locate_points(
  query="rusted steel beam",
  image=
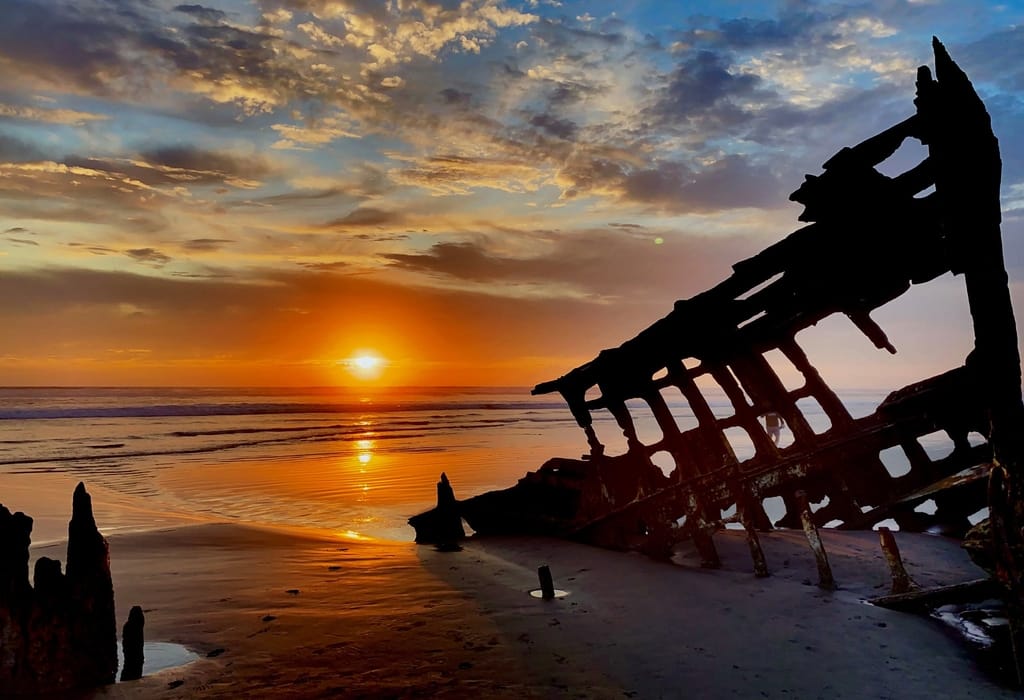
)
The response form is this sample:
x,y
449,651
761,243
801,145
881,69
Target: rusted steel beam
x,y
920,600
706,549
745,509
850,260
825,579
756,553
901,582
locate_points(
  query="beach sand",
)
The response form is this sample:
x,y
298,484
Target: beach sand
x,y
291,613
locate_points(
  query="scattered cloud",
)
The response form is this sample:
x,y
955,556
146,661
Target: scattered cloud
x,y
364,217
16,150
149,256
46,115
455,174
488,151
599,265
330,266
206,245
316,133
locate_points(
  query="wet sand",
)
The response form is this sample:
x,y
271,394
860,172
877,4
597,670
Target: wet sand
x,y
290,613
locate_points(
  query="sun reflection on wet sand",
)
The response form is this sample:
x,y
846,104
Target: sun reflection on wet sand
x,y
367,473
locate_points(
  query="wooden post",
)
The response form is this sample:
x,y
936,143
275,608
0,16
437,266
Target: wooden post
x,y
547,585
132,643
825,579
901,582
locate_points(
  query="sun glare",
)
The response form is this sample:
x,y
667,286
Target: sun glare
x,y
366,361
364,365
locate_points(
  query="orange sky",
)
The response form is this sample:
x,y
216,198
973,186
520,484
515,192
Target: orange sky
x,y
484,193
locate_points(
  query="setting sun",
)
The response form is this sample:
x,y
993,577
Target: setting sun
x,y
364,365
366,362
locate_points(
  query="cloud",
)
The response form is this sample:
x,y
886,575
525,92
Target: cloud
x,y
579,93
47,115
203,165
205,245
597,264
331,266
203,14
277,16
456,97
317,132
704,86
149,256
143,181
92,249
15,150
125,50
36,181
997,58
360,183
364,217
457,174
63,43
728,183
562,36
244,329
560,128
672,186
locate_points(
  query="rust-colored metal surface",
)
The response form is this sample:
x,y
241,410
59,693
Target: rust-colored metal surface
x,y
869,238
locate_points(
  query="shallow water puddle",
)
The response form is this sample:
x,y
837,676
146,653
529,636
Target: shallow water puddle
x,y
160,656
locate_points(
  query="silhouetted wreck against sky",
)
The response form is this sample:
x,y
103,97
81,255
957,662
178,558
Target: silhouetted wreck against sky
x,y
869,238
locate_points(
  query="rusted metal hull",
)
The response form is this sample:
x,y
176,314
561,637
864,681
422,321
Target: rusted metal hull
x,y
869,238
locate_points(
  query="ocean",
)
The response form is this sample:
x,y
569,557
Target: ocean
x,y
350,460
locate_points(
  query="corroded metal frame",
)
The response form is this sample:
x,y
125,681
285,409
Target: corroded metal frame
x,y
869,238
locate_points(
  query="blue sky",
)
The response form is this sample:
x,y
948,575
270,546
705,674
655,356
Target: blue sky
x,y
481,191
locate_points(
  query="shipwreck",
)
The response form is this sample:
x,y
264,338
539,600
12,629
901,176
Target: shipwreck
x,y
868,238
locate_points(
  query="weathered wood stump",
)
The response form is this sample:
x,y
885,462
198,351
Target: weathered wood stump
x,y
443,524
132,643
59,635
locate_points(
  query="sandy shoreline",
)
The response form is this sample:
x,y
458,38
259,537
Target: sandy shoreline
x,y
384,619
